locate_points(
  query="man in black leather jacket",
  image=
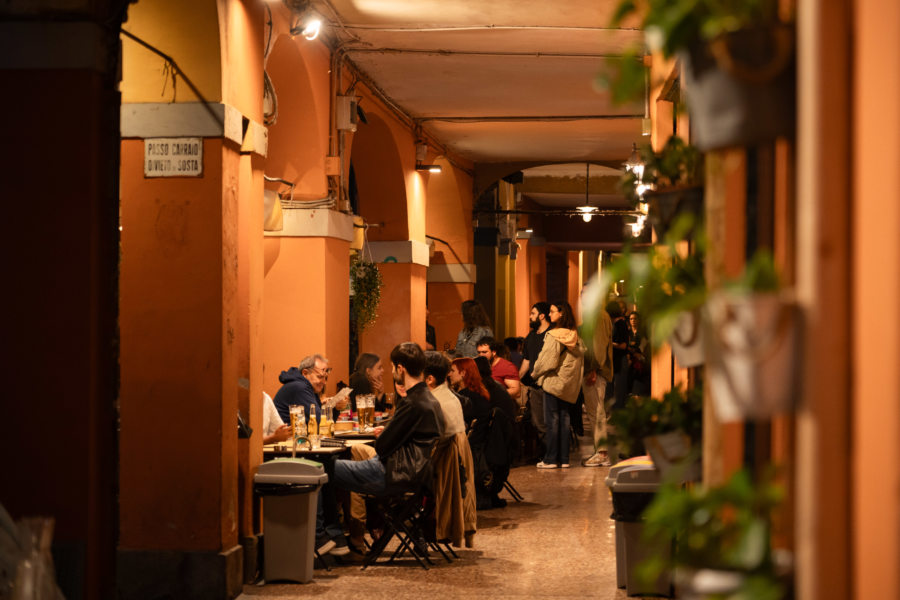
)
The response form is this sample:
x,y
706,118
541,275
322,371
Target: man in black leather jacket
x,y
403,449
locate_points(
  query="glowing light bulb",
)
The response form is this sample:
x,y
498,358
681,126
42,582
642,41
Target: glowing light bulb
x,y
587,217
311,28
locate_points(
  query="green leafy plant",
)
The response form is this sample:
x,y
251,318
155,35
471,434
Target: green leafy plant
x,y
664,281
759,275
725,527
642,417
366,281
674,25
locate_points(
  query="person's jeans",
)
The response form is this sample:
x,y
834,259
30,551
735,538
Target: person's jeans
x,y
536,399
556,419
326,527
360,476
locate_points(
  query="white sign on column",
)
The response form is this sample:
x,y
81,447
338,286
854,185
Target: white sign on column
x,y
173,157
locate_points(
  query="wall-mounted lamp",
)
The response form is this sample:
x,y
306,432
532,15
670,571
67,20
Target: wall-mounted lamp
x,y
308,23
421,153
312,24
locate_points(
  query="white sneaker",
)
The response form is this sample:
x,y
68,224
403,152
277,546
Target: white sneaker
x,y
564,466
543,465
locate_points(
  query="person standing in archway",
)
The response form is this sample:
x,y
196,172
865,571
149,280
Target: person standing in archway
x,y
558,370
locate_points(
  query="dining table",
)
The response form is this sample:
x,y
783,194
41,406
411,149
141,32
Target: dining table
x,y
283,449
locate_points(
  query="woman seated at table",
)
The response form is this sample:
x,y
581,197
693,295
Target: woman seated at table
x,y
466,381
368,378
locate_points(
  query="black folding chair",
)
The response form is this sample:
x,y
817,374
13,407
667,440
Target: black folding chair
x,y
402,520
512,491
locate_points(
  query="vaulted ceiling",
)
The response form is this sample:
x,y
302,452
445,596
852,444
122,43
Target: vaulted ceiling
x,y
502,82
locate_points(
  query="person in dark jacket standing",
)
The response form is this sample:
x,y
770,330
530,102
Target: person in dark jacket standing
x,y
417,425
534,342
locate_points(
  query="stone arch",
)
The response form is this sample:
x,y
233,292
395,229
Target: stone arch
x,y
380,183
296,150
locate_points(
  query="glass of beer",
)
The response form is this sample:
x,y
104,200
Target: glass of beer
x,y
361,411
370,409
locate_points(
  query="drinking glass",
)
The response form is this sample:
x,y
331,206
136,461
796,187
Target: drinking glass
x,y
370,409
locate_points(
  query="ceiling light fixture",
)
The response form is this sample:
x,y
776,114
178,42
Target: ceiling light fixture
x,y
587,211
429,168
634,164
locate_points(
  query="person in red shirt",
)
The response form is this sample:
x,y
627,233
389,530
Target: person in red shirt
x,y
502,370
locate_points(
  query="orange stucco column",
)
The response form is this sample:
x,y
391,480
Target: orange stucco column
x,y
306,307
178,317
249,343
875,323
537,270
401,312
524,300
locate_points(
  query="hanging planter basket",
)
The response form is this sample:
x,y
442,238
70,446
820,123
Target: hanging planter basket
x,y
741,88
687,340
667,204
753,354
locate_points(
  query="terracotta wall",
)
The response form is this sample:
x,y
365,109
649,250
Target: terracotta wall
x,y
448,216
186,31
573,296
876,286
404,288
298,140
306,308
249,328
306,279
178,359
524,300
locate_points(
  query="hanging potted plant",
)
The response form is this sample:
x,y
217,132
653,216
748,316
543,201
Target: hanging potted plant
x,y
673,180
752,344
365,286
722,539
675,443
738,60
669,429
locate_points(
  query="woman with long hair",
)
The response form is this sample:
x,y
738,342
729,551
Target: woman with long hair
x,y
476,325
368,378
466,381
558,371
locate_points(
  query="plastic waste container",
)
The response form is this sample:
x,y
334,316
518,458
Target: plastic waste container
x,y
632,491
620,532
289,488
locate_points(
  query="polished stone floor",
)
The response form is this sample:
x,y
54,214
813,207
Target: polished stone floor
x,y
557,543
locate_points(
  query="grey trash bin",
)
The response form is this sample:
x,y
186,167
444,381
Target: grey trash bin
x,y
289,487
620,531
633,489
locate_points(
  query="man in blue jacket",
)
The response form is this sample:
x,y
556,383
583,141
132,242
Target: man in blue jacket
x,y
302,386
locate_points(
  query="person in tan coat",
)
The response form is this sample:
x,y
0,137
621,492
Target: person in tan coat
x,y
558,371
